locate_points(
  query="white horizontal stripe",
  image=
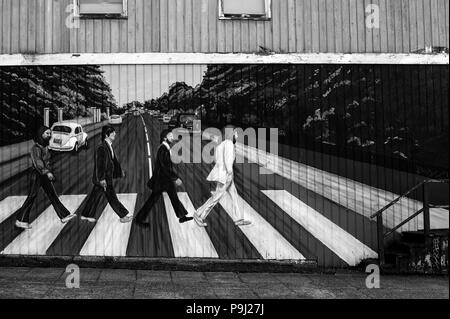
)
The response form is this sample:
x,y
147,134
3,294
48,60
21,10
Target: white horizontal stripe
x,y
266,239
347,247
219,58
110,236
148,149
9,206
188,239
45,229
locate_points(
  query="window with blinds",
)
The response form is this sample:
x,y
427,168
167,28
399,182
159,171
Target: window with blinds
x,y
249,9
101,8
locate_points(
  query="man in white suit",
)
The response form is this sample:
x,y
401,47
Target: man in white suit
x,y
223,175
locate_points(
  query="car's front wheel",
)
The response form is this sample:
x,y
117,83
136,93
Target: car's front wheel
x,y
75,148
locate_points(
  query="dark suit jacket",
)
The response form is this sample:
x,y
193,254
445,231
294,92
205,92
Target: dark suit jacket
x,y
163,174
105,166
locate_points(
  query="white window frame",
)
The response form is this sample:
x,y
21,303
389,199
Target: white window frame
x,y
123,15
243,16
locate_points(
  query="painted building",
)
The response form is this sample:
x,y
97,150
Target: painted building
x,y
357,91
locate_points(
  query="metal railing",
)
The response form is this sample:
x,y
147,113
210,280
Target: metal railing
x,y
381,235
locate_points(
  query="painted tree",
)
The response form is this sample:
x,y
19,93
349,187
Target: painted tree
x,y
26,91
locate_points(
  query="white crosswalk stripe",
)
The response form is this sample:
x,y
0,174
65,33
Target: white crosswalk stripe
x,y
266,239
343,244
9,206
109,236
188,239
45,229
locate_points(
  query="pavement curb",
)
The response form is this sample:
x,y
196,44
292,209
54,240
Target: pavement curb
x,y
166,264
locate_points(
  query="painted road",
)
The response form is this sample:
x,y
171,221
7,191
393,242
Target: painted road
x,y
291,219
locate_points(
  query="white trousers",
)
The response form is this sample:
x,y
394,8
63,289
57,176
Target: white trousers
x,y
228,189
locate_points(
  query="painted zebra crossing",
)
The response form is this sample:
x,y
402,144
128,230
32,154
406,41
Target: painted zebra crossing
x,y
9,205
110,237
188,239
266,239
356,196
44,230
347,247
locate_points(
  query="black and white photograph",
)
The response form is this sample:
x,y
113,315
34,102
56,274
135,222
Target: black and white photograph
x,y
226,150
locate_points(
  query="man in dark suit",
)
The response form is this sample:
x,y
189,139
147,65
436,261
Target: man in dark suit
x,y
164,179
106,169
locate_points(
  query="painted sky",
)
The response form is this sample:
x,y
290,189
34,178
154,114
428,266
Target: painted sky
x,y
144,82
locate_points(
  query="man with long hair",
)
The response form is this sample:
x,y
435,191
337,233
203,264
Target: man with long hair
x,y
223,175
41,176
106,169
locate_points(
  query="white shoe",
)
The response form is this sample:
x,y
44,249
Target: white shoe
x,y
126,219
199,221
66,219
89,219
23,225
242,222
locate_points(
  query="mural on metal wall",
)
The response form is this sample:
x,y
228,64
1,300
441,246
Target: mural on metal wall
x,y
282,162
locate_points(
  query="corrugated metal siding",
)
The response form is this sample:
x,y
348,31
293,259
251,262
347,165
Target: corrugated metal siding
x,y
38,26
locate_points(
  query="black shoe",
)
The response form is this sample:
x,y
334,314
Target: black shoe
x,y
185,219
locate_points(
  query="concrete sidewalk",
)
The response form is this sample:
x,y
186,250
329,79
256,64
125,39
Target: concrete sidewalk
x,y
120,283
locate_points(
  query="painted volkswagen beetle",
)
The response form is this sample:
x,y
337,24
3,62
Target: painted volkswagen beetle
x,y
67,137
